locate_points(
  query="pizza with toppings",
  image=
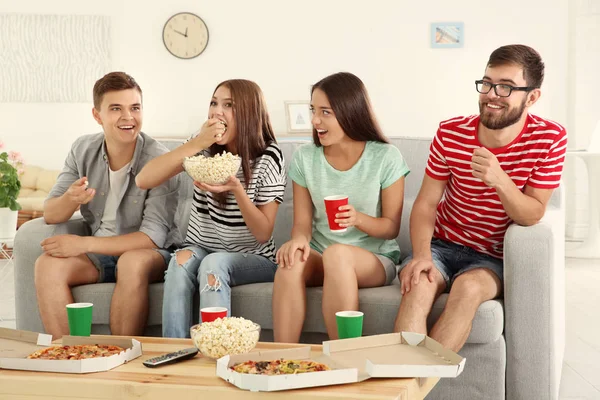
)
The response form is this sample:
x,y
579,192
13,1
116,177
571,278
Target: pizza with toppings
x,y
76,352
279,367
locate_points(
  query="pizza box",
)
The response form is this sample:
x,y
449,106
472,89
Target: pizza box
x,y
265,383
395,355
16,345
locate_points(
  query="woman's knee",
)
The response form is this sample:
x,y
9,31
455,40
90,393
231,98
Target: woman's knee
x,y
337,258
215,267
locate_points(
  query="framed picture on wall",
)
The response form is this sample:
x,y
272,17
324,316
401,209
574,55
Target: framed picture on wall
x,y
298,116
446,35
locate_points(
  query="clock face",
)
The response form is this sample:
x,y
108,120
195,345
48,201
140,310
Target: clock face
x,y
185,35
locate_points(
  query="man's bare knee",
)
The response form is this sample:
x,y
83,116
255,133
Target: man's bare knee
x,y
426,290
183,256
476,286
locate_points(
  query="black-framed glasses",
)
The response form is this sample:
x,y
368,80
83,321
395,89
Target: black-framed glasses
x,y
501,89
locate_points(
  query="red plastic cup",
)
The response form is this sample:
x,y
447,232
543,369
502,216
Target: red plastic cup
x,y
209,314
332,207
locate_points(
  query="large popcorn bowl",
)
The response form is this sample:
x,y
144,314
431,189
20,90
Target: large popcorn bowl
x,y
225,336
212,170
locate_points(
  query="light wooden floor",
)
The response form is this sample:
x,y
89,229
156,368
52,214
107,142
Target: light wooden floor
x,y
581,371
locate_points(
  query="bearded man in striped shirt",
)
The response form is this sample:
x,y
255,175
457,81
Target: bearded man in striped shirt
x,y
484,173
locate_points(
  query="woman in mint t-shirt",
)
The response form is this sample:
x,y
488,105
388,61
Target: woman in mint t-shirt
x,y
350,156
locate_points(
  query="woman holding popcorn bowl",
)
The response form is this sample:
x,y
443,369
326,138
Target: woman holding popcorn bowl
x,y
348,197
229,238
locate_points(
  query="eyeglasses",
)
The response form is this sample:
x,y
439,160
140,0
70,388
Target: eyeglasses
x,y
501,89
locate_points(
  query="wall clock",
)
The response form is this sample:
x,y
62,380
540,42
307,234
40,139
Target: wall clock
x,y
185,35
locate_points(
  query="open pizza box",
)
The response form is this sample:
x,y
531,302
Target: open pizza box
x,y
395,355
16,345
267,383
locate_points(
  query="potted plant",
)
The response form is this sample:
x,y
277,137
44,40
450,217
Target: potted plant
x,y
11,165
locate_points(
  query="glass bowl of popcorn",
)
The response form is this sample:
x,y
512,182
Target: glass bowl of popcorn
x,y
225,336
212,170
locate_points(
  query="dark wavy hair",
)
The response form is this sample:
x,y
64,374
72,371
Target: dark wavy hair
x,y
350,103
252,121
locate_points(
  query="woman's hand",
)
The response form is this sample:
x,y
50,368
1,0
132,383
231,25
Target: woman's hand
x,y
287,252
347,217
233,184
210,132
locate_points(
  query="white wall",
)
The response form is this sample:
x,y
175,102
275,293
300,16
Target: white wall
x,y
584,107
286,46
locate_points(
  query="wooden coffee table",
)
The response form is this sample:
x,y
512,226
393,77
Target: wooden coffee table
x,y
191,379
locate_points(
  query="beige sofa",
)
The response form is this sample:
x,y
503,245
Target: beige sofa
x,y
36,182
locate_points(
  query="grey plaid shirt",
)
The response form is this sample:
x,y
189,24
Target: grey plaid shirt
x,y
148,211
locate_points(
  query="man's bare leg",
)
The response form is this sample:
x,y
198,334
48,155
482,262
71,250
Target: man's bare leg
x,y
416,305
136,269
468,291
54,278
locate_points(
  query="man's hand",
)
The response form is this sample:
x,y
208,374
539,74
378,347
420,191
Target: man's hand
x,y
79,193
64,246
410,275
486,167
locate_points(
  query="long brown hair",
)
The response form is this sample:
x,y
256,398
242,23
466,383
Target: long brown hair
x,y
252,121
350,103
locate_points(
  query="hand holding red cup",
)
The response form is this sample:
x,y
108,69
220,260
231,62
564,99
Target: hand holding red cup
x,y
332,207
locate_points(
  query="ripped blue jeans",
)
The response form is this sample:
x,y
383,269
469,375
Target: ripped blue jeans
x,y
227,269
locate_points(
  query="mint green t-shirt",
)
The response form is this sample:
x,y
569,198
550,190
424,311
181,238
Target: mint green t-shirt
x,y
379,166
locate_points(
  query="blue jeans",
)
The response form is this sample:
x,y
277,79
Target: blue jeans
x,y
182,281
107,265
453,259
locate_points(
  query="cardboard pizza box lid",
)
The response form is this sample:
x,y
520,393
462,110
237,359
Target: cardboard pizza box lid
x,y
337,375
396,355
16,345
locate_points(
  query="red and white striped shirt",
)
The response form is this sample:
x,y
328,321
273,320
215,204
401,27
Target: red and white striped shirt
x,y
470,212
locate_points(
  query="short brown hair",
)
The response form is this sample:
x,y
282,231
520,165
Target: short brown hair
x,y
523,56
113,81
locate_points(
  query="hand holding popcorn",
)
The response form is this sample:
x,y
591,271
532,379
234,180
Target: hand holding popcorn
x,y
79,192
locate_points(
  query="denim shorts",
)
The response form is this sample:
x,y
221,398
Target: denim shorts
x,y
453,259
107,265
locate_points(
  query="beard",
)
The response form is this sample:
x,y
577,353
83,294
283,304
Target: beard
x,y
506,119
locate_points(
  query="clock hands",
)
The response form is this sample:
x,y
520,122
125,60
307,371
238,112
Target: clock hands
x,y
182,34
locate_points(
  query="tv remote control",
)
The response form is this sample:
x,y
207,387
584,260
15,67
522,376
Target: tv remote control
x,y
171,357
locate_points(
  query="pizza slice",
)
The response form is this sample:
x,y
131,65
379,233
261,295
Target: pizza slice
x,y
279,367
76,352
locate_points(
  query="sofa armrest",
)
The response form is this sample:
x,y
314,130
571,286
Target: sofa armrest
x,y
534,290
26,251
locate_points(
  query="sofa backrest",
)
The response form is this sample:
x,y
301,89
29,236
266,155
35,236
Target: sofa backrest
x,y
414,151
